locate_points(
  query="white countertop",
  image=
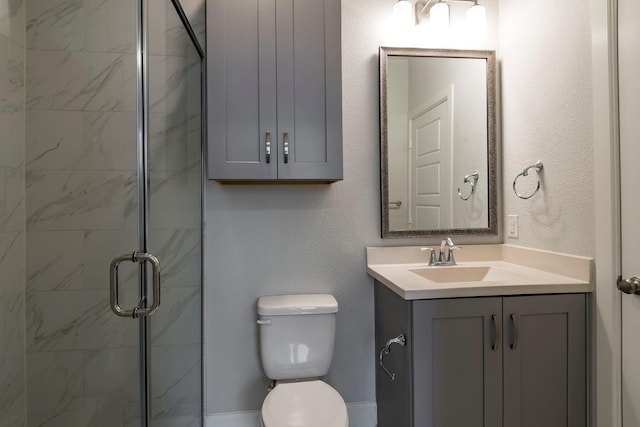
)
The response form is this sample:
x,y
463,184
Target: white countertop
x,y
529,271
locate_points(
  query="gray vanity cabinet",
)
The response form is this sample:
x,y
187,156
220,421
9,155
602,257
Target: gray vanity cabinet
x,y
486,362
274,90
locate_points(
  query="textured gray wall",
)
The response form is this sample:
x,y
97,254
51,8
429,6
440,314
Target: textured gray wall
x,y
547,115
270,239
275,239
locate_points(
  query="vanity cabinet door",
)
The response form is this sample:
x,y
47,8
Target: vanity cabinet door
x,y
457,362
241,82
274,90
309,89
545,367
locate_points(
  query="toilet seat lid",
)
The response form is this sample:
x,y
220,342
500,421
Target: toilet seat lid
x,y
304,404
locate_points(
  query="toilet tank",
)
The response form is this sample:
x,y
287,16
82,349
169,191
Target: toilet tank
x,y
297,334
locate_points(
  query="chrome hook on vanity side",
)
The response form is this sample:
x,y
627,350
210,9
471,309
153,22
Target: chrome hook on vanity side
x,y
538,167
468,180
401,340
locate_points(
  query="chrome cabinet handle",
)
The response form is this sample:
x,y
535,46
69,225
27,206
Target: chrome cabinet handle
x,y
629,286
267,143
285,140
401,340
141,310
516,331
496,333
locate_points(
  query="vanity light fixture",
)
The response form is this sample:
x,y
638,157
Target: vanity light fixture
x,y
477,18
439,16
438,13
403,13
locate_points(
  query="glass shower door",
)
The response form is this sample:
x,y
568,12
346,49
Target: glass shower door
x,y
175,218
82,209
168,298
170,196
113,166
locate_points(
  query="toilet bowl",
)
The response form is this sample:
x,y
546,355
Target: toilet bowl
x,y
304,404
297,334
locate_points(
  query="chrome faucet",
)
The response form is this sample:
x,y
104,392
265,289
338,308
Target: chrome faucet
x,y
446,243
445,257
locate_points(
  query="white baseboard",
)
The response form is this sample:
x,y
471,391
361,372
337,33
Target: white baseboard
x,y
233,419
360,415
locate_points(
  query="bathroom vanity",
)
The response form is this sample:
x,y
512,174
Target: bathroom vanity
x,y
501,343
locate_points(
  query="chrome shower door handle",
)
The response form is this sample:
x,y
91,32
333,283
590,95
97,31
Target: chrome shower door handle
x,y
141,310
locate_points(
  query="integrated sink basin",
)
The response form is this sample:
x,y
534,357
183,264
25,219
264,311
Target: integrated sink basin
x,y
482,270
467,274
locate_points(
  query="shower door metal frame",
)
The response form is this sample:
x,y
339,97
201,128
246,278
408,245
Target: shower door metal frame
x,y
144,193
142,142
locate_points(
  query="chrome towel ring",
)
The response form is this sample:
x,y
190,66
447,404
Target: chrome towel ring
x,y
538,167
467,180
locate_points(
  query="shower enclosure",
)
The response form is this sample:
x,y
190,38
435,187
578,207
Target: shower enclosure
x,y
113,166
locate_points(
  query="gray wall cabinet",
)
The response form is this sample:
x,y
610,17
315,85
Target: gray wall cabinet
x,y
274,90
488,362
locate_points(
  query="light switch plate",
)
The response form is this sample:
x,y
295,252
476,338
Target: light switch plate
x,y
512,226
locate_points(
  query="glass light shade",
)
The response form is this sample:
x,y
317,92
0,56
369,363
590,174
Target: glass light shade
x,y
477,20
403,14
439,16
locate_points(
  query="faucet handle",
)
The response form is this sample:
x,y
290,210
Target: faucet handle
x,y
450,259
432,255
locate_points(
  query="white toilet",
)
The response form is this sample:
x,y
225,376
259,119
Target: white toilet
x,y
296,347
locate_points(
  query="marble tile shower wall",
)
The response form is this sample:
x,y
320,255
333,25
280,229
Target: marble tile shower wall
x,y
12,236
81,210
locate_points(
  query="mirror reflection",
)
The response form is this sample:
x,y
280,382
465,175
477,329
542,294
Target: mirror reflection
x,y
438,142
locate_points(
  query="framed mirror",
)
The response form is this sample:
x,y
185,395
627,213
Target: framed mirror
x,y
438,142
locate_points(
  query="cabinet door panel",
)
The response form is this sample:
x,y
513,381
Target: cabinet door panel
x,y
457,374
544,376
309,89
241,76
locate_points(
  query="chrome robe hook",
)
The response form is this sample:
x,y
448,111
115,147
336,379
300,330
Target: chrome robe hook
x,y
538,167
